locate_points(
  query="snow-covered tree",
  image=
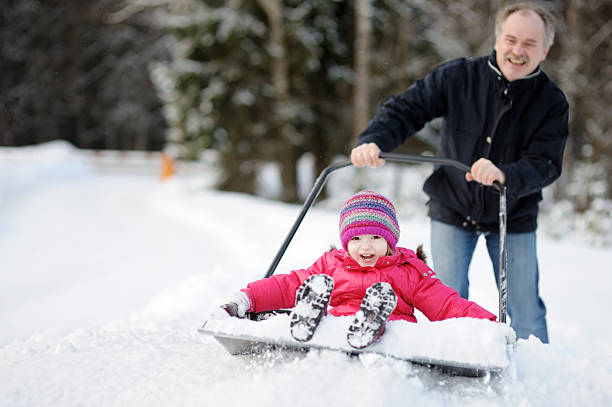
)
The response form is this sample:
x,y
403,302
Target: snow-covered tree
x,y
270,80
257,81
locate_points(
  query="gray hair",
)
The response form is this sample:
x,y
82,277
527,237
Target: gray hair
x,y
545,15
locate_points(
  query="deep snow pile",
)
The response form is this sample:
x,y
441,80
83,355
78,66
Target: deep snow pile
x,y
476,343
104,280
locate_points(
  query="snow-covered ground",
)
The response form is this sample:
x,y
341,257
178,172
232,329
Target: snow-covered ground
x,y
106,277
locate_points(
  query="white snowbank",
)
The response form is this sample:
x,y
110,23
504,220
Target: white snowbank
x,y
465,342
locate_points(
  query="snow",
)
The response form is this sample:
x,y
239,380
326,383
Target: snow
x,y
475,343
106,277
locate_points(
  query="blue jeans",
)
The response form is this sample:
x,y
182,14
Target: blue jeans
x,y
452,248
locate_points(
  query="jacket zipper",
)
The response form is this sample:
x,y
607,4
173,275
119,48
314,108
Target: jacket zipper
x,y
507,105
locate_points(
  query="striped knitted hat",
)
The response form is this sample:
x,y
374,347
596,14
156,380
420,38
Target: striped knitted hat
x,y
368,213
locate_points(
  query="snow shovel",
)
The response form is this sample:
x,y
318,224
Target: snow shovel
x,y
407,158
249,339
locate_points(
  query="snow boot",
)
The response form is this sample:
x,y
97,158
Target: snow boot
x,y
369,323
311,302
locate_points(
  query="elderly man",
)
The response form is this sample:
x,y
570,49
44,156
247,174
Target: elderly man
x,y
508,121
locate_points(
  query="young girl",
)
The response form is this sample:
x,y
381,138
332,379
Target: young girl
x,y
369,277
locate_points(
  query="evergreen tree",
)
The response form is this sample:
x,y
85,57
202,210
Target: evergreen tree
x,y
238,86
270,80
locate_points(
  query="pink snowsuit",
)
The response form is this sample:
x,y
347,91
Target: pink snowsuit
x,y
414,283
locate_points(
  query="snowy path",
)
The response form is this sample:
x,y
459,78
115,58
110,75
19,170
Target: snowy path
x,y
91,234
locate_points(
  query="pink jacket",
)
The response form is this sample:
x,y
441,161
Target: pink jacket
x,y
414,283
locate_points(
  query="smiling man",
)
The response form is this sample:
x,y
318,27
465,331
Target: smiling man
x,y
521,42
506,120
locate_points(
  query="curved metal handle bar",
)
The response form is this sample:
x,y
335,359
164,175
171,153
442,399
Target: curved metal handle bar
x,y
409,158
405,158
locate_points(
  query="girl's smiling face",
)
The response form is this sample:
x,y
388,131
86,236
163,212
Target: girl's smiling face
x,y
367,249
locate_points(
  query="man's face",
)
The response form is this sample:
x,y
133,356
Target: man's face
x,y
520,45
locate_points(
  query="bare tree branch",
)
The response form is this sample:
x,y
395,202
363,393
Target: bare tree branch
x,y
133,7
603,34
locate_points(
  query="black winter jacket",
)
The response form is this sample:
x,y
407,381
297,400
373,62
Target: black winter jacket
x,y
521,126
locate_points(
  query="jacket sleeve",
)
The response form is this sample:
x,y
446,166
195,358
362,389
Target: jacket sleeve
x,y
278,291
438,301
402,115
540,162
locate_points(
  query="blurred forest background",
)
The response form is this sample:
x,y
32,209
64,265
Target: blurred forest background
x,y
266,81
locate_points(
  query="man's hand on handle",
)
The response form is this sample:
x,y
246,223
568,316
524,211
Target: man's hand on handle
x,y
366,155
485,172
